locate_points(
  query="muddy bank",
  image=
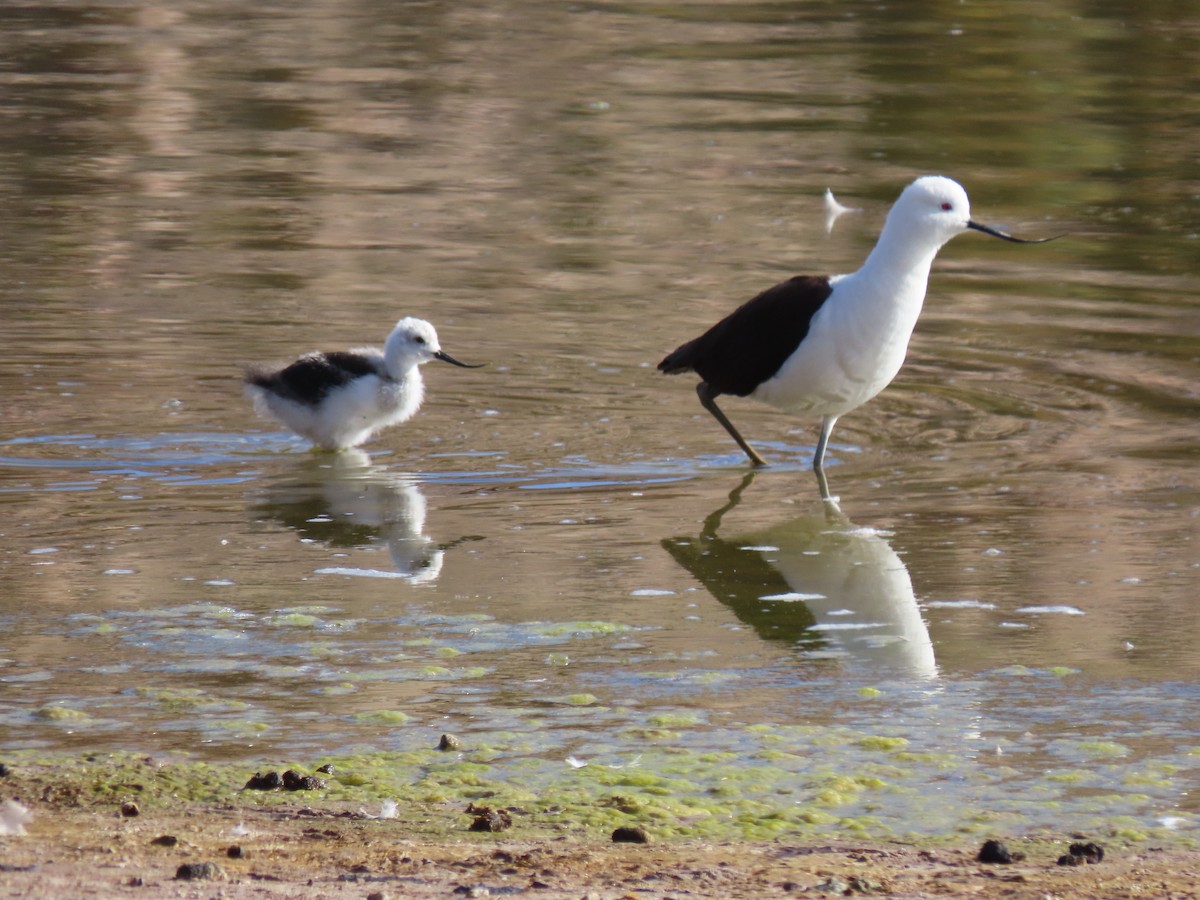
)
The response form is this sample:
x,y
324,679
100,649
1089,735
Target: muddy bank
x,y
301,852
96,831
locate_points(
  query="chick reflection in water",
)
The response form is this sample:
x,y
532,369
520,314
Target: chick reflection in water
x,y
346,502
817,582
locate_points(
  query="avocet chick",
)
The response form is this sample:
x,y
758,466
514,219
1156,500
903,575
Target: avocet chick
x,y
339,399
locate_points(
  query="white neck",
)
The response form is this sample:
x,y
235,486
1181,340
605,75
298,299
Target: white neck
x,y
896,273
396,361
901,254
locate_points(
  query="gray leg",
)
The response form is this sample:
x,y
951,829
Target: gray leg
x,y
827,424
708,398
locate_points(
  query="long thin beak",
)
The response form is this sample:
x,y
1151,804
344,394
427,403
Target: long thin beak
x,y
446,357
1008,237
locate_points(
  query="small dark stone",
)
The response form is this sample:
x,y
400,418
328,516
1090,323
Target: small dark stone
x,y
1068,859
488,819
449,742
1083,853
377,895
165,840
630,835
129,809
327,769
5,771
996,852
236,852
204,871
261,782
135,881
294,781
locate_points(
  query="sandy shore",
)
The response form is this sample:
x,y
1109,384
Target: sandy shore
x,y
298,851
142,832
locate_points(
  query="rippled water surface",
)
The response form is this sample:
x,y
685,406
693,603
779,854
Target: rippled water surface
x,y
563,555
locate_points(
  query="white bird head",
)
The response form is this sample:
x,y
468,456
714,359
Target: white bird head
x,y
937,208
414,342
934,207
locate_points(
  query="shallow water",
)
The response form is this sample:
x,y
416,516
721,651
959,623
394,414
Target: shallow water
x,y
562,555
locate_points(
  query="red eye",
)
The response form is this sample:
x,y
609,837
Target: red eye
x,y
947,206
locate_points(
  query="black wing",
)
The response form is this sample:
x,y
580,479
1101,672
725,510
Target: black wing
x,y
752,343
310,378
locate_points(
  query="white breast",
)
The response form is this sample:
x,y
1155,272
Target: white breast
x,y
354,412
856,343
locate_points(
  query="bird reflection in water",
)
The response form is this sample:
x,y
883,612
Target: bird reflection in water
x,y
345,501
817,582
